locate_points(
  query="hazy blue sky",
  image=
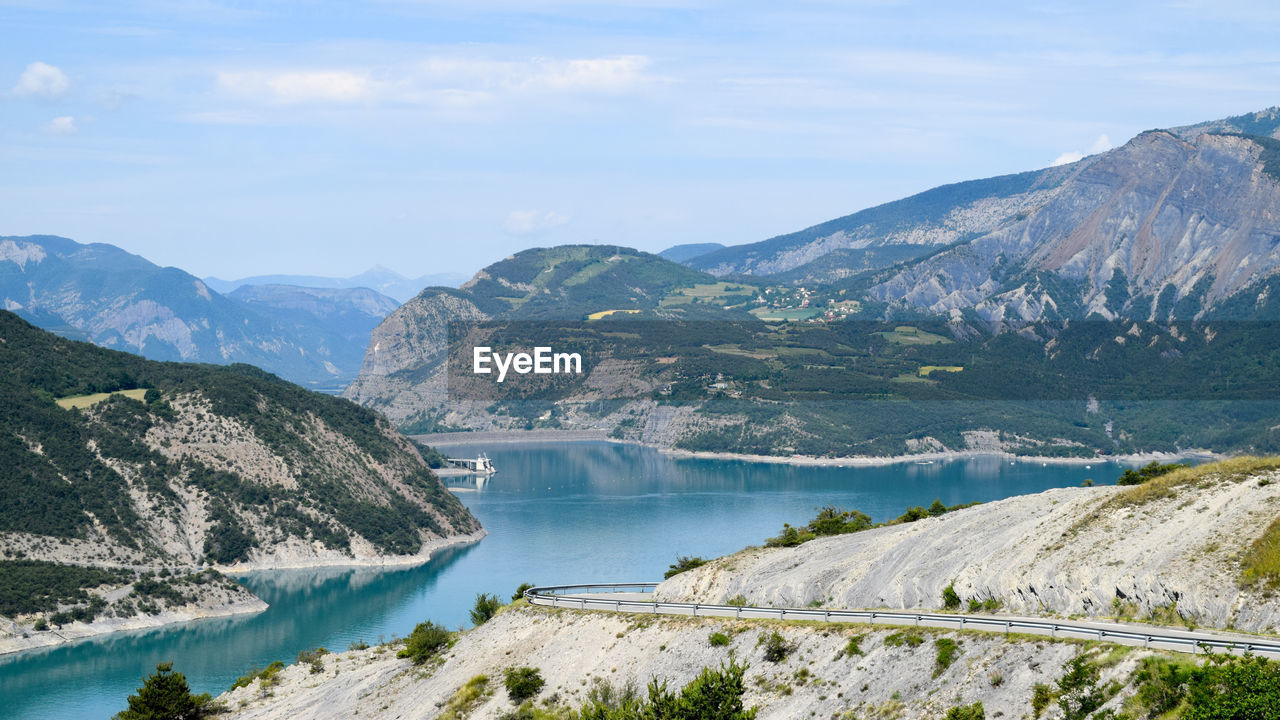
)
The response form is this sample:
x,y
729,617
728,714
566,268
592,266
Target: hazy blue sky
x,y
237,138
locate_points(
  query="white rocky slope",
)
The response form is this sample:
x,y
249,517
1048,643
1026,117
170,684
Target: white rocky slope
x,y
575,650
1075,551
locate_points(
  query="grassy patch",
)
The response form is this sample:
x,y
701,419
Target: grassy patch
x,y
1232,470
1262,561
908,335
926,370
607,313
466,698
87,401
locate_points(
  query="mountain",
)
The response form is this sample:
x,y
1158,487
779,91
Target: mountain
x,y
1173,224
405,371
685,253
383,280
122,301
178,466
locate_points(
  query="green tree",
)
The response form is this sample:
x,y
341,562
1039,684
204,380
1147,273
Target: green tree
x,y
1234,688
523,683
950,598
165,695
519,593
425,642
683,563
485,608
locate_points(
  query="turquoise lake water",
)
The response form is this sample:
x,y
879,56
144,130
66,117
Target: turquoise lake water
x,y
566,513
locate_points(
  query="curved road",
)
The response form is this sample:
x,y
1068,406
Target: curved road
x,y
634,598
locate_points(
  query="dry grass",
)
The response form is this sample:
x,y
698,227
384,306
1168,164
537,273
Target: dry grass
x,y
1262,561
1231,470
85,401
466,698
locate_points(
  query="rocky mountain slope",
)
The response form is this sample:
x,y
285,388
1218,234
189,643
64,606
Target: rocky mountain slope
x,y
174,467
406,368
1175,550
101,293
580,653
1172,224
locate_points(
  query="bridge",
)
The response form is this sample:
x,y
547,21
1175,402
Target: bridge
x,y
636,597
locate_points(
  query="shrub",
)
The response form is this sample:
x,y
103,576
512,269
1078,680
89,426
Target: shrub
x,y
948,651
683,564
1041,696
776,647
910,639
1148,472
738,600
466,698
718,639
1078,692
523,683
950,598
267,676
967,712
166,694
41,625
519,593
714,695
852,648
485,608
313,658
425,642
1227,688
1161,685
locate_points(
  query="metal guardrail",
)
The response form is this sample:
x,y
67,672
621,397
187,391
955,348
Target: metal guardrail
x,y
570,596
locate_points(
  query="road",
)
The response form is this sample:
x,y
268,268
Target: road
x,y
637,598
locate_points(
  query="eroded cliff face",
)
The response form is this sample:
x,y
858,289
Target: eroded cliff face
x,y
404,370
1077,551
1130,234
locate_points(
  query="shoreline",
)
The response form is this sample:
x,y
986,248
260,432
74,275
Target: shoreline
x,y
78,631
14,642
511,437
422,557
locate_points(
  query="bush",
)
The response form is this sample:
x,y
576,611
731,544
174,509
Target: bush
x,y
738,600
1078,692
1041,696
713,695
967,712
852,648
166,694
519,593
267,675
314,659
485,608
776,647
425,642
950,599
1234,688
948,651
718,639
1148,472
683,564
523,683
910,639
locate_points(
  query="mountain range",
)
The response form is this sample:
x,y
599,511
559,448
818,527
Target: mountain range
x,y
380,279
122,301
1051,312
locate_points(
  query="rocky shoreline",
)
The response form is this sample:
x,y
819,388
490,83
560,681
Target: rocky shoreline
x,y
511,437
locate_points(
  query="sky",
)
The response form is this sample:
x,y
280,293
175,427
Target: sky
x,y
314,137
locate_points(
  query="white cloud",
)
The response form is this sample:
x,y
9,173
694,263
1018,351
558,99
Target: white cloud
x,y
529,222
41,80
1102,144
451,82
65,125
293,87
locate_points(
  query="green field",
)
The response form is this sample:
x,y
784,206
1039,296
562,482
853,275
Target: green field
x,y
786,314
926,370
717,293
84,401
907,335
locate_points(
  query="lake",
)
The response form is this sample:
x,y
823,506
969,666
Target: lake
x,y
556,514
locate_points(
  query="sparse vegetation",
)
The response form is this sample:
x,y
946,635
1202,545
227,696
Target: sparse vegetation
x,y
1148,472
776,647
486,606
1262,559
716,694
683,563
425,642
522,683
466,698
718,639
948,651
967,712
905,637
